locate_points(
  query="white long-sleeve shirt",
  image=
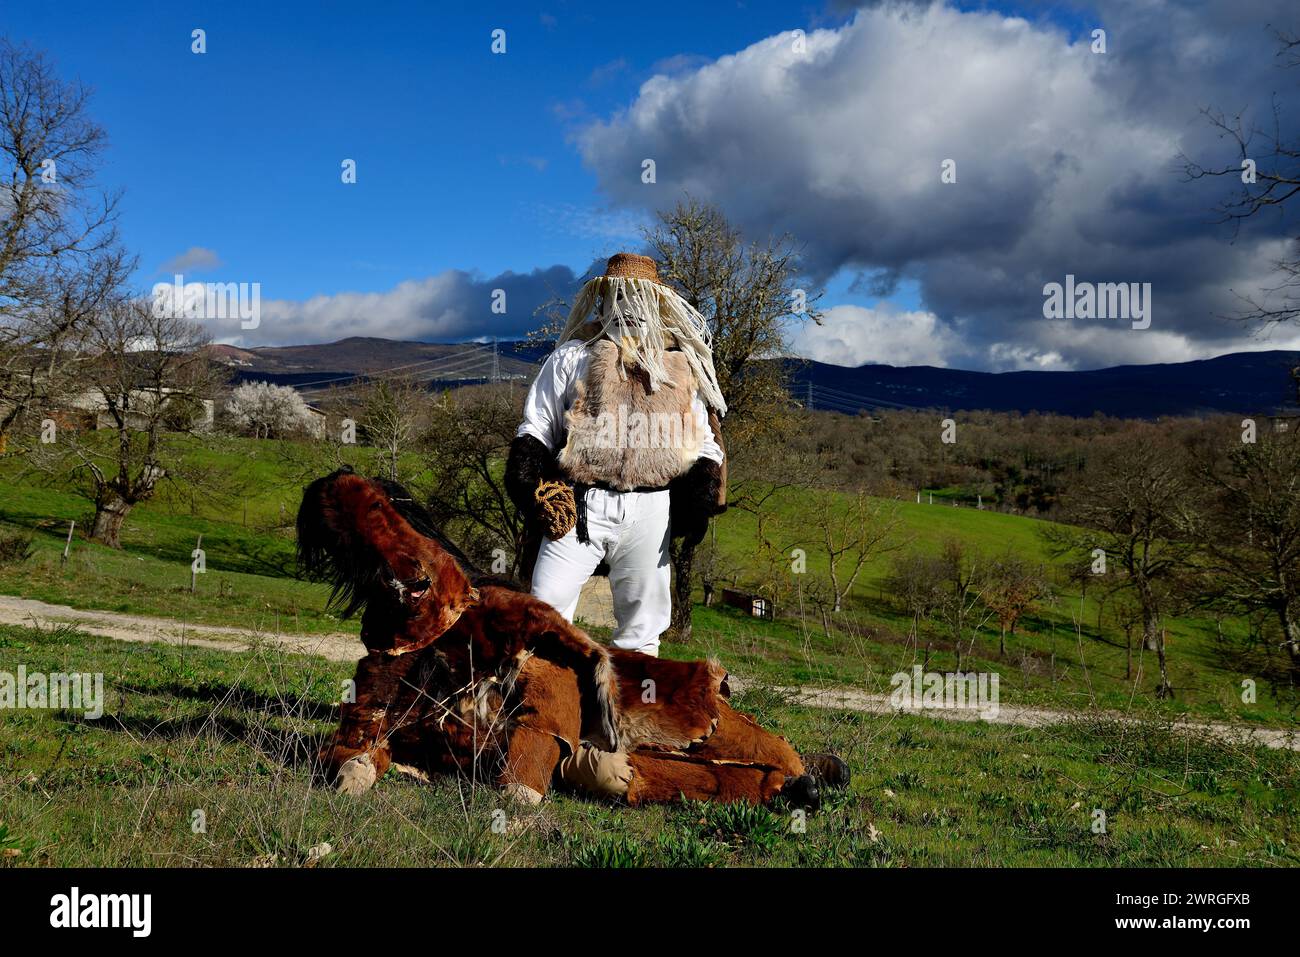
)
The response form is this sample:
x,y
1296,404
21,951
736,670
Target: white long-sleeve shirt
x,y
556,388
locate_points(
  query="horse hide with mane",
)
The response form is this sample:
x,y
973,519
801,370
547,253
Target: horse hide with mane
x,y
465,673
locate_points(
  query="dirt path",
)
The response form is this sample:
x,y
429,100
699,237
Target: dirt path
x,y
141,628
343,647
851,699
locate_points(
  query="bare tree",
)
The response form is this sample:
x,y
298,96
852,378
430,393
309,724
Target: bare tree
x,y
713,567
59,259
851,534
142,366
392,409
749,295
764,488
43,343
1265,174
1127,614
916,582
1248,532
1012,588
468,434
1132,508
961,609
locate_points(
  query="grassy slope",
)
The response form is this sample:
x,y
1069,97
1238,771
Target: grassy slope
x,y
1048,661
249,546
247,539
233,735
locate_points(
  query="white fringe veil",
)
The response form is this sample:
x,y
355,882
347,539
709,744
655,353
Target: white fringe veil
x,y
666,317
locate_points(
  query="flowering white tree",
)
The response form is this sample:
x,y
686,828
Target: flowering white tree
x,y
268,410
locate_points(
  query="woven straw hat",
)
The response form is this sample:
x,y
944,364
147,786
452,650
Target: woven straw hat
x,y
631,266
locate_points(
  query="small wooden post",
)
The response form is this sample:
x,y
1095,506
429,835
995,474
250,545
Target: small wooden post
x,y
68,544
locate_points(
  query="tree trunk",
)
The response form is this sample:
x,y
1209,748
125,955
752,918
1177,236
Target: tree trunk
x,y
110,511
1166,690
683,559
1153,637
1290,636
1128,652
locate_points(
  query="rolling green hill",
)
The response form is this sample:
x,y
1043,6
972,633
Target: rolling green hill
x,y
1059,656
234,734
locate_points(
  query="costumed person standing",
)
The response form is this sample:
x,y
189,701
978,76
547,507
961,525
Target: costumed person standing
x,y
620,448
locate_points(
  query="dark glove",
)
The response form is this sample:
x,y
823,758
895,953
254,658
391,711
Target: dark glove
x,y
693,500
527,465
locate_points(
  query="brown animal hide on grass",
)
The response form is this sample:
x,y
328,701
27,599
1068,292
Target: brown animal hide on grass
x,y
464,675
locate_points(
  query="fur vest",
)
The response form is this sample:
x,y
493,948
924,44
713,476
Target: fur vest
x,y
623,435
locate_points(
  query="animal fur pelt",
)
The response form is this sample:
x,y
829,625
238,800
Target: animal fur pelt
x,y
621,433
693,500
528,464
467,674
663,316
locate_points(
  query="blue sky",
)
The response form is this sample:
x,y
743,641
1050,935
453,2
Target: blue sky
x,y
463,156
473,166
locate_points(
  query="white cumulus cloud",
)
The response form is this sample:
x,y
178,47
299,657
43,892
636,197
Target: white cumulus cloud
x,y
1067,162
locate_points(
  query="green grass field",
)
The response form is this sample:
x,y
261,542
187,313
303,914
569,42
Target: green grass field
x,y
1059,657
233,735
247,536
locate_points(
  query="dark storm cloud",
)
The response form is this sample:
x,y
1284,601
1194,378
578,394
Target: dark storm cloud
x,y
1068,162
451,305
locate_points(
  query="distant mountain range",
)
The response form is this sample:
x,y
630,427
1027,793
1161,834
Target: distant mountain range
x,y
317,366
1241,382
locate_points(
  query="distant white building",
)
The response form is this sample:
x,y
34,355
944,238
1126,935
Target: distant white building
x,y
93,402
316,425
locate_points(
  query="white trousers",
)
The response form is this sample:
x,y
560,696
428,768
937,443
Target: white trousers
x,y
630,531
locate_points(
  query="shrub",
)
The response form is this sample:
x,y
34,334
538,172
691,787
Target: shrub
x,y
15,549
